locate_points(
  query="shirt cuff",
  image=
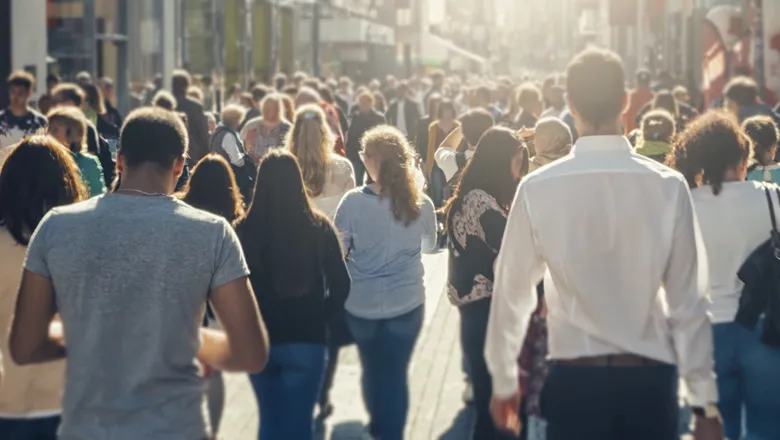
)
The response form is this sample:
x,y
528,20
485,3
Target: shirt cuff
x,y
702,392
506,387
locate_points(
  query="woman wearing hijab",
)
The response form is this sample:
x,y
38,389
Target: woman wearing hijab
x,y
551,141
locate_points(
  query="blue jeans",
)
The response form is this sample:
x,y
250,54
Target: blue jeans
x,y
287,390
748,382
385,347
438,182
44,428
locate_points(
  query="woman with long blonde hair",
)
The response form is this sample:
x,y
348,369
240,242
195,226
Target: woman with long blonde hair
x,y
328,176
386,226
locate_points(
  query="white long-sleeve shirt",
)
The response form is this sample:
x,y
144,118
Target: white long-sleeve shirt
x,y
626,267
230,146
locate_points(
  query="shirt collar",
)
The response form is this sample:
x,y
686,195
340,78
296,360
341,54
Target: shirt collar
x,y
613,143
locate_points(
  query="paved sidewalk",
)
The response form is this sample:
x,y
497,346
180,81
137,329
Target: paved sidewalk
x,y
436,381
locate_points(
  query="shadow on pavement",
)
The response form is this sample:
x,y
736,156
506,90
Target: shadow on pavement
x,y
461,425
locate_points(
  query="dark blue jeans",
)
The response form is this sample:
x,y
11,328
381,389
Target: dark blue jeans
x,y
385,347
748,382
287,390
44,428
438,182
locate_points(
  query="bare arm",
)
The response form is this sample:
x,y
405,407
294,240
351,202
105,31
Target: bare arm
x,y
243,346
33,338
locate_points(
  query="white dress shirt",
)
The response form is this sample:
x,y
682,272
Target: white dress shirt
x,y
626,267
733,224
230,147
446,159
401,116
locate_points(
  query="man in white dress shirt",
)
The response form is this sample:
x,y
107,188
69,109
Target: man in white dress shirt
x,y
615,237
404,113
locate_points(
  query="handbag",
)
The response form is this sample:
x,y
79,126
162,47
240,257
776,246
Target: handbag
x,y
761,275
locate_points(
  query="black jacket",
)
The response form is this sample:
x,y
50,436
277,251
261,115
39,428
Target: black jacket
x,y
761,294
412,113
100,148
361,123
197,126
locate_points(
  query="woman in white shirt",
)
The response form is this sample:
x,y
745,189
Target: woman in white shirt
x,y
734,219
327,175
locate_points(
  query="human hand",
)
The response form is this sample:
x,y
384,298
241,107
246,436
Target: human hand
x,y
708,429
506,413
525,132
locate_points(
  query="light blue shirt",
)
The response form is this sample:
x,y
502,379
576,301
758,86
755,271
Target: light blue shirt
x,y
385,256
769,173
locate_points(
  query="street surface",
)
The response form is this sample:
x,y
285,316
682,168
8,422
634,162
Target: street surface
x,y
436,381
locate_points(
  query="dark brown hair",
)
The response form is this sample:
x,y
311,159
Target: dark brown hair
x,y
595,82
212,187
20,78
475,123
658,125
764,134
709,146
180,82
490,170
94,98
37,175
279,232
153,135
665,100
68,92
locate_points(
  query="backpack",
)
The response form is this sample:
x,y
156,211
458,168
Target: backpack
x,y
761,275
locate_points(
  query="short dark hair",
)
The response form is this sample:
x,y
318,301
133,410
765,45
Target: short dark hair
x,y
484,93
658,125
259,92
763,132
475,123
153,135
83,77
164,99
69,92
446,105
595,85
743,90
280,80
20,78
180,82
53,78
528,93
94,97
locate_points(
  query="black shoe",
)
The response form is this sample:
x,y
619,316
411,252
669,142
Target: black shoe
x,y
326,411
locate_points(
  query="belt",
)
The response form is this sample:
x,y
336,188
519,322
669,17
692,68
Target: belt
x,y
611,360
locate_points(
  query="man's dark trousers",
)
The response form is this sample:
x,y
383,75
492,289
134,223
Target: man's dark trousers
x,y
611,402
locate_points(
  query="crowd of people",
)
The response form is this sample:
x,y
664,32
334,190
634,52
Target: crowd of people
x,y
612,253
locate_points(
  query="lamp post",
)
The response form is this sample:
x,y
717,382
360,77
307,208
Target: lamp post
x,y
315,37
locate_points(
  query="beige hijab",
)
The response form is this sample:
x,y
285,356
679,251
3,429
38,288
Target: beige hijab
x,y
552,140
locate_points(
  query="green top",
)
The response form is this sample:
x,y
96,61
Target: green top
x,y
91,173
653,148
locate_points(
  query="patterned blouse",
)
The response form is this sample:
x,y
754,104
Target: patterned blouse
x,y
475,229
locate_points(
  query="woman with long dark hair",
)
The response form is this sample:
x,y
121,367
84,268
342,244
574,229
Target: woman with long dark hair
x,y
733,215
476,218
212,188
386,225
38,175
301,281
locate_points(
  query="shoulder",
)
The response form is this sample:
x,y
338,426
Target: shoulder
x,y
340,164
40,119
426,204
481,201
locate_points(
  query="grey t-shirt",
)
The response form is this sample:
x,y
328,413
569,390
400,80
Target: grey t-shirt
x,y
131,276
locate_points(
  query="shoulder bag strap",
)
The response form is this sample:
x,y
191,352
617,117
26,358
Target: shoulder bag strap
x,y
768,194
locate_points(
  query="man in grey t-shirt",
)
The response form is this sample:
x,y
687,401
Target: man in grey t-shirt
x,y
130,274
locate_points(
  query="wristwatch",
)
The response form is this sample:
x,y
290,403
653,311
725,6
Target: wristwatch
x,y
709,411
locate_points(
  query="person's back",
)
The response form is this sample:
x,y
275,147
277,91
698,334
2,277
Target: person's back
x,y
129,274
606,229
132,324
